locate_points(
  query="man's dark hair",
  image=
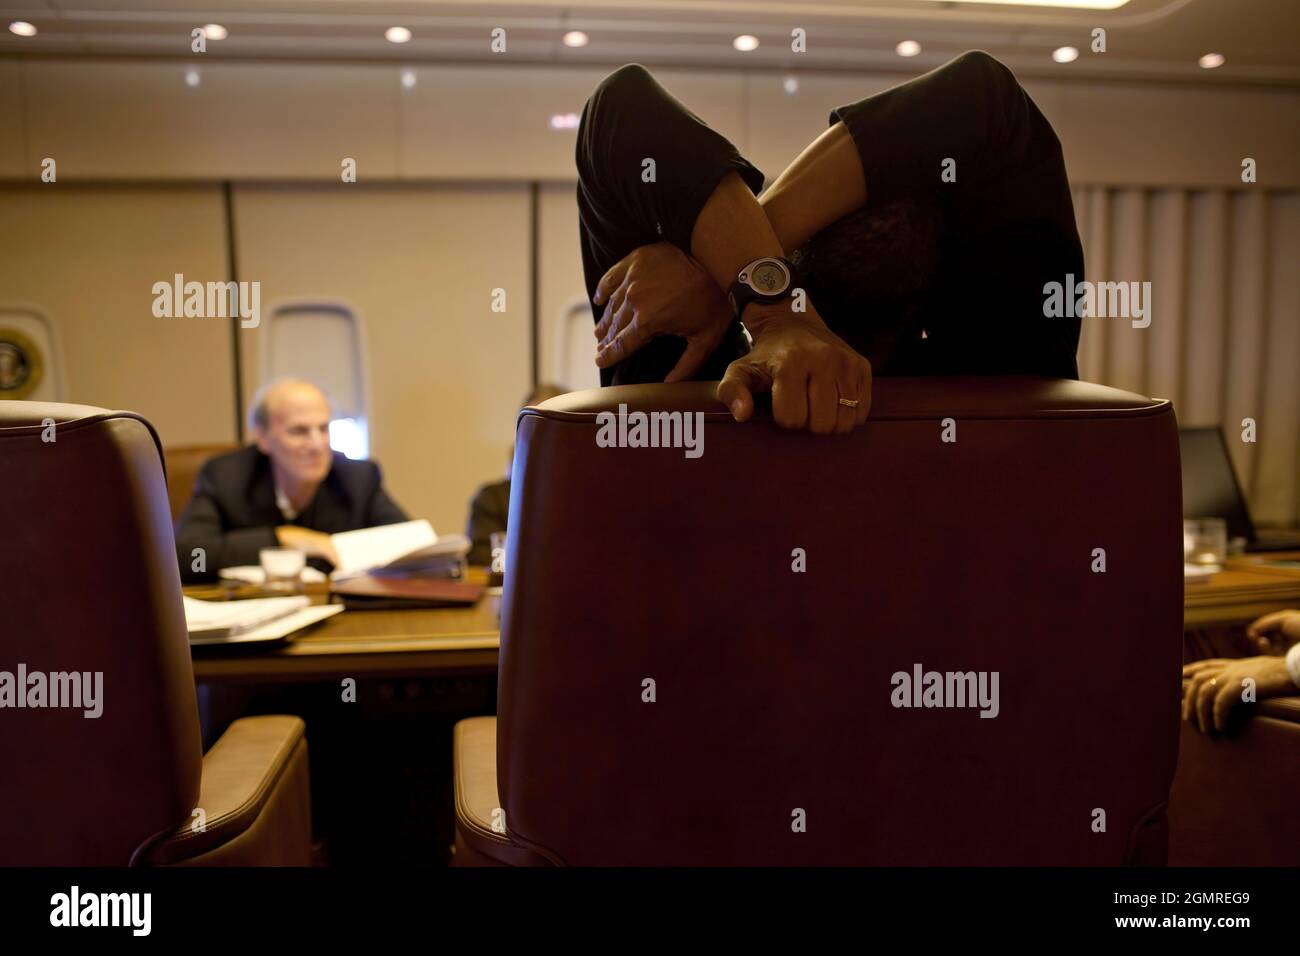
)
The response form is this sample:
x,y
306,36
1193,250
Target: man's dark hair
x,y
867,273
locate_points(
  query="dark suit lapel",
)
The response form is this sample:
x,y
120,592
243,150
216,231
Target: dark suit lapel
x,y
330,509
261,494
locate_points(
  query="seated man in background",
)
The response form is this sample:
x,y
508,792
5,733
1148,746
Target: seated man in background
x,y
287,490
1215,686
491,503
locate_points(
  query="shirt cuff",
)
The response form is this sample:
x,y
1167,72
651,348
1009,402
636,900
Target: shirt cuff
x,y
1293,664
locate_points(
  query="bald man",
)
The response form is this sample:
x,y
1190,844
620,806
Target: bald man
x,y
288,489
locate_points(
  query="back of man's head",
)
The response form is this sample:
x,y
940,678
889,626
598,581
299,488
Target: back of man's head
x,y
869,271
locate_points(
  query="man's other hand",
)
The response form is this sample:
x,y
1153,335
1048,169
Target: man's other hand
x,y
806,367
316,544
1215,686
1275,633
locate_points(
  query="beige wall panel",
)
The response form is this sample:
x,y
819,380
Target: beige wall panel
x,y
111,119
477,122
480,122
565,353
13,135
1111,133
418,264
1171,135
780,124
141,120
89,257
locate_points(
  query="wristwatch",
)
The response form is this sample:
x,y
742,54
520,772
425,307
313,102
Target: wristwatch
x,y
767,280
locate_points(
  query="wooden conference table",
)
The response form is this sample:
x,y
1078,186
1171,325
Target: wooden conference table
x,y
465,641
389,643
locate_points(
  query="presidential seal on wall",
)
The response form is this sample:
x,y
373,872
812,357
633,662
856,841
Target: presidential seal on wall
x,y
21,364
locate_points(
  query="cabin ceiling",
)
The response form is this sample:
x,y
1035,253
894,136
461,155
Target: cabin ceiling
x,y
1146,39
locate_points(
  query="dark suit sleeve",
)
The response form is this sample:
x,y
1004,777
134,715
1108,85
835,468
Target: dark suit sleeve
x,y
201,527
381,508
485,517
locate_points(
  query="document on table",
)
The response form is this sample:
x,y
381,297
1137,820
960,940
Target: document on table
x,y
260,619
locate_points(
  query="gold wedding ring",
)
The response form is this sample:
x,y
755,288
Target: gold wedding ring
x,y
851,403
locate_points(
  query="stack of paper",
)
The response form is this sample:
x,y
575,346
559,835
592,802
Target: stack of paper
x,y
219,620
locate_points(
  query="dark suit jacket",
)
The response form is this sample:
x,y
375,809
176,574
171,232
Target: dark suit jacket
x,y
487,513
233,514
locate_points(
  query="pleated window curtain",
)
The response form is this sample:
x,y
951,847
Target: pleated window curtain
x,y
1224,337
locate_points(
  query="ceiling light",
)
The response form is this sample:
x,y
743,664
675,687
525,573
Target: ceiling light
x,y
745,43
1065,54
908,48
214,31
576,38
1077,4
791,85
564,121
1211,61
192,77
22,28
397,34
408,79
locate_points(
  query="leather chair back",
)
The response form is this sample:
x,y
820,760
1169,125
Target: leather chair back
x,y
772,588
183,463
90,584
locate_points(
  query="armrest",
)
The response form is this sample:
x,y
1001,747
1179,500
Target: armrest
x,y
1280,708
474,775
255,798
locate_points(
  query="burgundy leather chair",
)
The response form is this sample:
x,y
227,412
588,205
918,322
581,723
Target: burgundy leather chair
x,y
1234,799
90,584
773,737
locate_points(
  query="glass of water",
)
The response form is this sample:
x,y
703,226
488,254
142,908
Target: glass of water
x,y
283,568
498,567
1205,542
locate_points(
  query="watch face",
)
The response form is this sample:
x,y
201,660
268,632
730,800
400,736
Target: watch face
x,y
769,277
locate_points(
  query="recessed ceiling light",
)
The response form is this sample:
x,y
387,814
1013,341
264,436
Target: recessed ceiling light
x,y
1065,54
214,31
408,79
22,28
745,43
791,85
1211,61
576,38
908,48
397,34
564,121
192,77
1077,4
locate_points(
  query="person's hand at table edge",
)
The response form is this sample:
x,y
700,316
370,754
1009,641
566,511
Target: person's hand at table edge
x,y
1217,685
